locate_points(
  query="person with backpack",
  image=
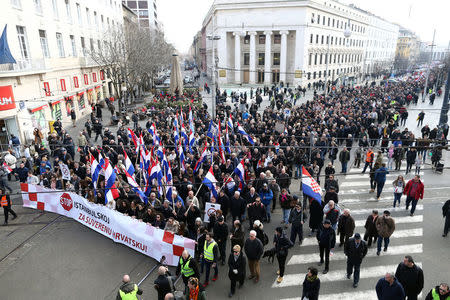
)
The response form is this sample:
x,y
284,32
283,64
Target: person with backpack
x,y
296,219
260,234
254,249
282,244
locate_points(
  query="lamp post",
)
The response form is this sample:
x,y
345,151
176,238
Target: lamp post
x,y
215,59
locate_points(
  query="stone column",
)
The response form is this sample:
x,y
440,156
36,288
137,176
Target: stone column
x,y
268,58
283,55
299,64
252,57
237,57
222,51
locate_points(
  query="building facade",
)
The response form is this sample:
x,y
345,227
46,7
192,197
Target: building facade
x,y
53,74
146,11
408,45
297,42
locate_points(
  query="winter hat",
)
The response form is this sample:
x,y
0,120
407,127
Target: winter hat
x,y
357,236
258,224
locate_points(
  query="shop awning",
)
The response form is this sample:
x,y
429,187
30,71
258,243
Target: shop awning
x,y
33,110
54,102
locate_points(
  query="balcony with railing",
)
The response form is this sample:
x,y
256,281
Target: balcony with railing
x,y
36,65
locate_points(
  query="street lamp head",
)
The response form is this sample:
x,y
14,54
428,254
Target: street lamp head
x,y
347,33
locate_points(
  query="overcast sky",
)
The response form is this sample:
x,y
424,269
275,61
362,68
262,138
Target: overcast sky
x,y
183,18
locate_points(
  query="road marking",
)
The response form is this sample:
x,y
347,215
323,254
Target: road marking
x,y
338,275
404,233
360,295
369,210
299,259
394,174
398,220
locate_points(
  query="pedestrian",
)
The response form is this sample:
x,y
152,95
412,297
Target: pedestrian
x,y
411,156
385,228
439,292
266,195
398,156
369,160
5,202
326,236
282,244
256,211
3,182
220,231
380,178
420,118
210,256
332,213
414,191
236,272
346,227
196,290
296,218
388,288
311,285
446,214
237,235
419,164
399,186
163,283
14,142
371,233
344,157
410,276
135,119
128,289
286,203
315,215
188,268
73,116
355,249
254,249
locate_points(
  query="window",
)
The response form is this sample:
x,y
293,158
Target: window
x,y
310,59
86,79
329,21
68,13
317,38
314,75
320,74
60,43
83,45
262,39
102,75
88,17
99,46
277,38
80,19
47,89
38,6
318,19
74,46
91,43
103,21
143,13
94,77
75,82
321,40
246,59
312,18
55,9
331,40
16,3
63,85
44,43
328,39
261,59
95,19
333,23
247,39
320,60
309,75
276,59
143,4
311,37
315,59
132,4
23,42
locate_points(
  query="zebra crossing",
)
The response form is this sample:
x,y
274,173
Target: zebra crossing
x,y
354,195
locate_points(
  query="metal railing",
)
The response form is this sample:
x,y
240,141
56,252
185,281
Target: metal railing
x,y
21,65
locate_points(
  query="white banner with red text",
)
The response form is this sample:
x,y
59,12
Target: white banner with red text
x,y
137,235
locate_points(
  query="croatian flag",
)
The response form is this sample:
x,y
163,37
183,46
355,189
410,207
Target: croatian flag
x,y
184,135
136,187
210,181
285,131
128,165
134,138
95,170
201,159
244,134
240,171
227,140
111,191
181,153
230,123
176,137
310,186
169,186
191,141
7,168
220,144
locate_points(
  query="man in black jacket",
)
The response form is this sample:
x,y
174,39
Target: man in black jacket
x,y
446,214
164,282
297,218
220,231
411,277
256,211
355,250
127,288
326,236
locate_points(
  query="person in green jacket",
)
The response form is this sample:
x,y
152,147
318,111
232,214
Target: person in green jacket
x,y
128,290
440,292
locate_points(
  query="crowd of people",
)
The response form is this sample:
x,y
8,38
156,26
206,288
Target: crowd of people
x,y
273,143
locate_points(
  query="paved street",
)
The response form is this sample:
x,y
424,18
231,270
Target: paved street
x,y
58,258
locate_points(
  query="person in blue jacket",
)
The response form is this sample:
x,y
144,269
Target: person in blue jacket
x,y
266,196
380,178
389,288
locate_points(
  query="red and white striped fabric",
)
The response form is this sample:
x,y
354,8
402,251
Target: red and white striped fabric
x,y
123,229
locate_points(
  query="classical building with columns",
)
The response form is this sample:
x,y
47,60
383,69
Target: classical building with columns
x,y
297,41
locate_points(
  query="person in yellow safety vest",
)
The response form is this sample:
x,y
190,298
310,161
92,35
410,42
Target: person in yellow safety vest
x,y
128,290
187,267
440,292
210,255
5,202
369,160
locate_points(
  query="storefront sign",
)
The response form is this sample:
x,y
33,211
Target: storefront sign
x,y
6,98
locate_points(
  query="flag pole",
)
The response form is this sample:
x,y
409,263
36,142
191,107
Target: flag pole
x,y
301,193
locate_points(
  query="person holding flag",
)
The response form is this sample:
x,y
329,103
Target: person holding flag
x,y
244,134
210,182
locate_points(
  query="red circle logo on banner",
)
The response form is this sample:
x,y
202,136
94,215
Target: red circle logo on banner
x,y
66,201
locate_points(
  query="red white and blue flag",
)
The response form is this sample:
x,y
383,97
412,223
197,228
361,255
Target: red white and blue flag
x,y
210,181
245,134
111,191
201,159
240,172
128,165
136,187
310,186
